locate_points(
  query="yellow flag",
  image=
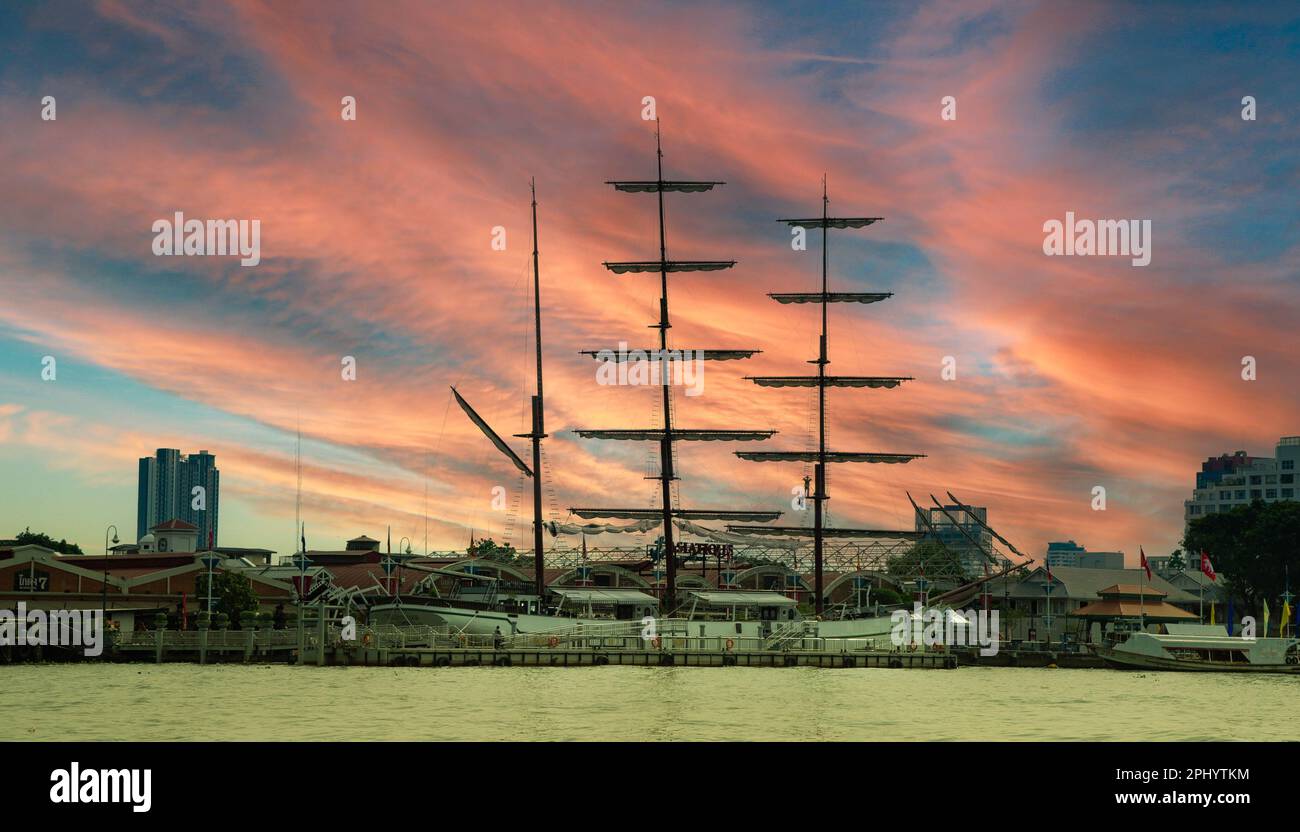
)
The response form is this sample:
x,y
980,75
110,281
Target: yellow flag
x,y
1265,618
1211,613
1286,617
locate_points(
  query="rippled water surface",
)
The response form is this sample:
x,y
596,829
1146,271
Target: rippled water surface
x,y
261,702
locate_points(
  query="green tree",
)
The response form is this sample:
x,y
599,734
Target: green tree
x,y
1252,547
30,538
232,593
1176,562
488,549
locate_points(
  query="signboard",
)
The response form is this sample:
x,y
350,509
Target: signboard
x,y
704,550
32,581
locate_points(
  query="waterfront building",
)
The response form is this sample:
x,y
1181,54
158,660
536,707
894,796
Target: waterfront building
x,y
1232,480
138,586
166,490
1030,613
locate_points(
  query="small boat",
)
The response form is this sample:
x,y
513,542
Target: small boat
x,y
1200,647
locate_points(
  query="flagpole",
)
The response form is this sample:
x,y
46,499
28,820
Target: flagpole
x,y
1142,593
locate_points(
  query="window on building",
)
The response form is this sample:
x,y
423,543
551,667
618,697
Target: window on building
x,y
1225,495
1288,464
1256,480
1271,479
1241,495
1288,493
1287,479
1254,493
1271,494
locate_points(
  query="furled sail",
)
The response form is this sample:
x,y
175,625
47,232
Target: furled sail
x,y
808,531
831,456
605,528
490,434
669,266
829,297
657,435
650,186
653,354
685,514
732,537
833,222
874,382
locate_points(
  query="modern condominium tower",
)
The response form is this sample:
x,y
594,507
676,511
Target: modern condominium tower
x,y
167,491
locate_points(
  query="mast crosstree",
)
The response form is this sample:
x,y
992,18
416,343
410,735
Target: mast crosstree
x,y
822,381
666,435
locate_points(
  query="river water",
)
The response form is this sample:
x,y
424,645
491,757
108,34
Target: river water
x,y
277,702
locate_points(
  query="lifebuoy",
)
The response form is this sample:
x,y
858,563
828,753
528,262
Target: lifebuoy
x,y
553,641
731,645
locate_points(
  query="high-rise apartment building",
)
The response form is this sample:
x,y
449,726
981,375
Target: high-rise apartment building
x,y
173,486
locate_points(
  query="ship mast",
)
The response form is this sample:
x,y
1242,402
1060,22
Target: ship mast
x,y
539,427
668,433
538,431
822,381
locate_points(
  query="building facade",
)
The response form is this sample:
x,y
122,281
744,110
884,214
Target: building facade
x,y
1070,554
168,489
1233,480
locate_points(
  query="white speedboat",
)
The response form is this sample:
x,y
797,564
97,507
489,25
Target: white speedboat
x,y
1196,647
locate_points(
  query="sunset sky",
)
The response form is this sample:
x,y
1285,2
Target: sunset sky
x,y
1072,372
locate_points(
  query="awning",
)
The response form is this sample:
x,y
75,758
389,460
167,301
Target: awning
x,y
757,598
587,595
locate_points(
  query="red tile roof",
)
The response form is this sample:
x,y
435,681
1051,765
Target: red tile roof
x,y
175,525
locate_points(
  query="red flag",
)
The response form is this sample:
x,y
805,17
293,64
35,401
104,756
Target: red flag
x,y
1206,568
1145,565
1048,564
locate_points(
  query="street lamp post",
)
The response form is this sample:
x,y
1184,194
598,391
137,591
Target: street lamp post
x,y
104,583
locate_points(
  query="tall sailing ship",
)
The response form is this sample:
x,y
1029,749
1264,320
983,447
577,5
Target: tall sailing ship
x,y
750,613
